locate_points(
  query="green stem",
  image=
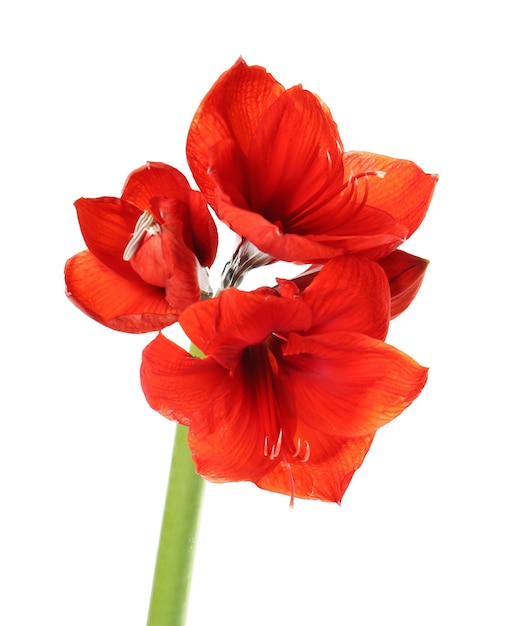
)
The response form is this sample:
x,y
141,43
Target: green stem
x,y
173,567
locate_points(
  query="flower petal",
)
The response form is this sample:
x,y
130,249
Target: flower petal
x,y
107,225
203,229
232,108
152,180
291,171
405,273
226,435
366,382
228,169
182,286
114,301
352,294
405,192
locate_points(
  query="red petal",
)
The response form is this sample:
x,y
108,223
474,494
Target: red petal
x,y
350,293
148,261
107,225
325,479
228,169
152,180
113,301
182,287
405,274
232,108
405,191
288,167
224,326
203,229
163,362
355,384
226,434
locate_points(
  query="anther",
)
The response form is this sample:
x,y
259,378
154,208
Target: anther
x,y
298,446
275,450
297,452
353,180
307,454
145,223
378,173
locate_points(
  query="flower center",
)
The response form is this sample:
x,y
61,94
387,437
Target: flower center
x,y
146,224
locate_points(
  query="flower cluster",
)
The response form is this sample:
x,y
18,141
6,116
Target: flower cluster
x,y
296,377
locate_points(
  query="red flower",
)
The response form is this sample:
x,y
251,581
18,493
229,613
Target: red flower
x,y
272,165
293,386
146,251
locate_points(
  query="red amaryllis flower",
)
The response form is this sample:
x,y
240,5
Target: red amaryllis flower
x,y
293,386
146,251
272,165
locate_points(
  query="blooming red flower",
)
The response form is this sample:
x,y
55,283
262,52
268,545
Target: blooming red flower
x,y
146,251
272,165
294,385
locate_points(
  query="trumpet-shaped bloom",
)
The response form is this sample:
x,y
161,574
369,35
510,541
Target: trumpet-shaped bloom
x,y
146,251
272,165
293,385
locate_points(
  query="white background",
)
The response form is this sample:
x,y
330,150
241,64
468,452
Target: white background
x,y
428,530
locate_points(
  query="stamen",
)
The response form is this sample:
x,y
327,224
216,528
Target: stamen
x,y
266,444
275,450
350,198
145,223
354,179
279,443
307,454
